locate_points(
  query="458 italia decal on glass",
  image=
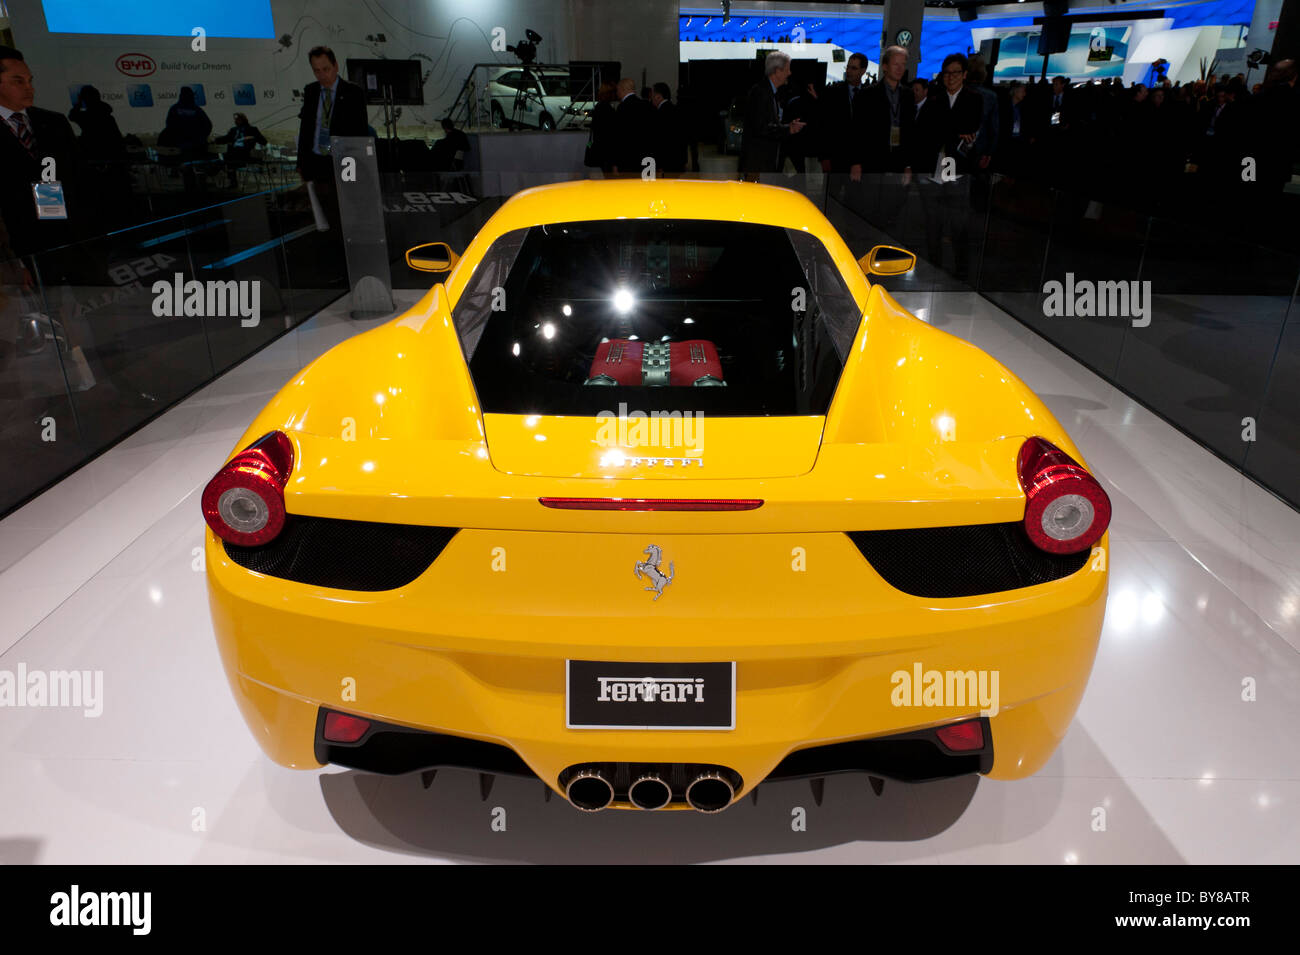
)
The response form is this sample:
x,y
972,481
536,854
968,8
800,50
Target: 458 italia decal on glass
x,y
874,485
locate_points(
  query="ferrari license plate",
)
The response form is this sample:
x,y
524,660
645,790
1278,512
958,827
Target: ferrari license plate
x,y
650,696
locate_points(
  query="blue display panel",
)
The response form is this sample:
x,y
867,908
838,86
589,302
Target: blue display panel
x,y
219,18
1094,51
943,33
139,94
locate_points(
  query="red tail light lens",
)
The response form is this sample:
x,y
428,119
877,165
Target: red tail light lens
x,y
244,502
962,737
1066,509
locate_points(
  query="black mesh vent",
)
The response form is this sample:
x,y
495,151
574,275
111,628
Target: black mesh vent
x,y
962,561
348,555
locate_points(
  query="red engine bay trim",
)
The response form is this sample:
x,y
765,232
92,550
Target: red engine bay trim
x,y
621,361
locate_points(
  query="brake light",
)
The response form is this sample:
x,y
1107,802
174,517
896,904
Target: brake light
x,y
1066,509
650,504
244,501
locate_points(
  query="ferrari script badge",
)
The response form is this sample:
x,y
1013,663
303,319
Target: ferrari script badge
x,y
650,568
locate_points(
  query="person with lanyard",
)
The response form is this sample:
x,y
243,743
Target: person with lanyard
x,y
38,152
890,116
331,106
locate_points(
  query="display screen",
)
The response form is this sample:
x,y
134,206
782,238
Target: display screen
x,y
1094,51
224,18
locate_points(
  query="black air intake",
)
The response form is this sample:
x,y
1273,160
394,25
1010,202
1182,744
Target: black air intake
x,y
962,561
347,555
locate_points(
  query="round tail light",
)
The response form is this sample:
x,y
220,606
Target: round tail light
x,y
1066,509
244,502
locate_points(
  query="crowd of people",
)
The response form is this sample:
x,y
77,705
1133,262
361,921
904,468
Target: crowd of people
x,y
629,127
1214,143
880,138
1211,146
89,169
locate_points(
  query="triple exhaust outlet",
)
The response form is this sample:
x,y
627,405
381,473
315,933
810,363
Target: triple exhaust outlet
x,y
592,788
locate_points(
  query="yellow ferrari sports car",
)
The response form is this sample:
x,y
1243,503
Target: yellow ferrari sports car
x,y
655,497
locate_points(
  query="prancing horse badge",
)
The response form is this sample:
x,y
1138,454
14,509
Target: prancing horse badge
x,y
650,568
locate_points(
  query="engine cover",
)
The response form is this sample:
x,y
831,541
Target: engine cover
x,y
622,361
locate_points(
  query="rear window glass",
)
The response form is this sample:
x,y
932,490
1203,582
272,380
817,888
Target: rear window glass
x,y
724,318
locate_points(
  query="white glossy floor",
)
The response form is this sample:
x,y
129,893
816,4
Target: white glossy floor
x,y
99,573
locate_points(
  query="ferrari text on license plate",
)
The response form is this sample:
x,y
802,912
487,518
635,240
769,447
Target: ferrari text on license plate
x,y
678,696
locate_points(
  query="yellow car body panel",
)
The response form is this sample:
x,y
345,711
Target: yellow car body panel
x,y
922,431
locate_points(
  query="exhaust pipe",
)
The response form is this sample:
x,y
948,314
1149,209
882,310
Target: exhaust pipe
x,y
710,792
589,790
650,792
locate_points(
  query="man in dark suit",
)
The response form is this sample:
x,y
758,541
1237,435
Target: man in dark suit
x,y
842,118
890,115
331,106
1015,132
30,137
944,159
669,132
633,130
1059,107
760,143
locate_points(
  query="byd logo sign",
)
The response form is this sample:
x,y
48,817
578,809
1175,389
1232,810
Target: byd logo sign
x,y
136,64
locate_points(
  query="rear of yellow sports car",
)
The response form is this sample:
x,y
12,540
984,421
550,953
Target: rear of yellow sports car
x,y
656,498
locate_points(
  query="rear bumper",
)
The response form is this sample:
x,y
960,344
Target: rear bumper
x,y
916,756
816,661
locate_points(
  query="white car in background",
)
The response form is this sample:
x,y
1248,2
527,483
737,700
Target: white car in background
x,y
534,97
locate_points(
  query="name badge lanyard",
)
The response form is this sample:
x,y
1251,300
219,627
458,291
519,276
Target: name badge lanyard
x,y
47,196
326,111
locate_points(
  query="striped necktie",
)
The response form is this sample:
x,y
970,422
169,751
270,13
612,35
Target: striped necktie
x,y
23,131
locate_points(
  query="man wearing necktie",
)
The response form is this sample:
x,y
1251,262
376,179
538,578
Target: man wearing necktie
x,y
30,137
842,122
331,106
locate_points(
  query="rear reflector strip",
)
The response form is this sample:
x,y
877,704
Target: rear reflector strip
x,y
649,504
344,728
962,737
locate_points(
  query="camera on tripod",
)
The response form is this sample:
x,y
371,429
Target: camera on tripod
x,y
526,49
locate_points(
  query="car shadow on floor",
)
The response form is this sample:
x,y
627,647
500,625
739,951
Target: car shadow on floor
x,y
451,819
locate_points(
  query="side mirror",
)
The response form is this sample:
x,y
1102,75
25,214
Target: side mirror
x,y
432,257
887,260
